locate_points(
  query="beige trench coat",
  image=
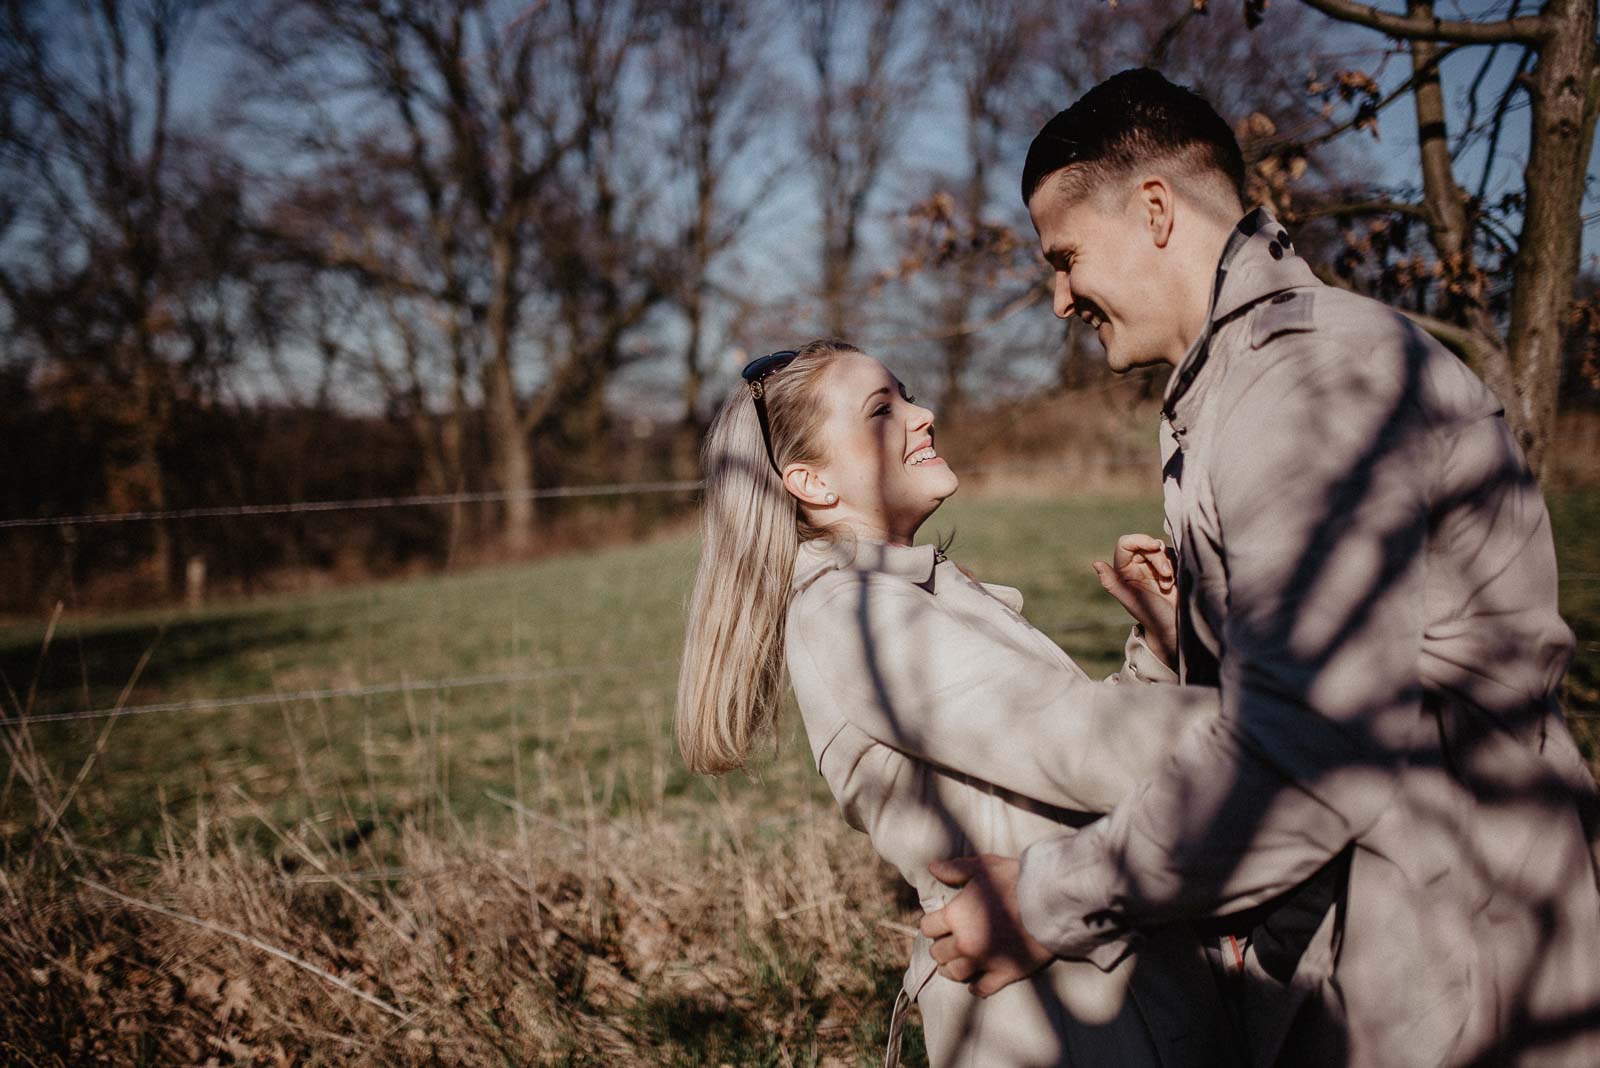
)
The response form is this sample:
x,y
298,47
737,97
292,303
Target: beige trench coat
x,y
1388,815
946,725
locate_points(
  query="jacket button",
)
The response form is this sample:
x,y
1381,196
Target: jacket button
x,y
1283,239
1276,250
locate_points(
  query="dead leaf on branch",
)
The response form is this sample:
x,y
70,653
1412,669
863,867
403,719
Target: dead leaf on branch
x,y
1584,323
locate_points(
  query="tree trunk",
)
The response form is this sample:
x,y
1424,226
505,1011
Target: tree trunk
x,y
1564,94
1449,228
693,426
508,446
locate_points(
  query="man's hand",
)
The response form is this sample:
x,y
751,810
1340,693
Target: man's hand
x,y
978,937
1141,578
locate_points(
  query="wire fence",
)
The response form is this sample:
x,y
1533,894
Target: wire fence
x,y
437,685
433,500
426,500
410,686
402,686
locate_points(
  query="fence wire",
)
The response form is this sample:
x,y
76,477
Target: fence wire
x,y
430,500
621,489
213,704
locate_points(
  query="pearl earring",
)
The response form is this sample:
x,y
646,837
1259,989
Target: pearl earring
x,y
831,498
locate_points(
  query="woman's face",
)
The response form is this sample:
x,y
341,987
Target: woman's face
x,y
879,452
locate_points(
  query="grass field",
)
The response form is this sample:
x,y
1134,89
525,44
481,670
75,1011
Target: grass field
x,y
521,871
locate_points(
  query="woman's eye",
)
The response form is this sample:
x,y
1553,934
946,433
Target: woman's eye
x,y
882,409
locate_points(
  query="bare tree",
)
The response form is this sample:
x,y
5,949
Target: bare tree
x,y
607,261
710,68
494,139
993,45
1517,350
117,244
860,98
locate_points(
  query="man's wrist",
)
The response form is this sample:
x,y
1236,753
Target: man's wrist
x,y
1064,893
1143,660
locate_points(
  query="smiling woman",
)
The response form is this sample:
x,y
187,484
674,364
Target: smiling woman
x,y
848,455
942,721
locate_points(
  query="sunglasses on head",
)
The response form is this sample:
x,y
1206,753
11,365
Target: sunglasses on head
x,y
755,374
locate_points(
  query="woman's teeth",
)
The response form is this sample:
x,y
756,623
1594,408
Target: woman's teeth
x,y
922,456
1091,318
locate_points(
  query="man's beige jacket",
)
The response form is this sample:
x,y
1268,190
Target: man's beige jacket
x,y
1388,820
946,725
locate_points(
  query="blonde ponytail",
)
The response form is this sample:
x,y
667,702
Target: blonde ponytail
x,y
731,679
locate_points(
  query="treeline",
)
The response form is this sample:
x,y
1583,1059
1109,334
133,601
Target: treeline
x,y
294,250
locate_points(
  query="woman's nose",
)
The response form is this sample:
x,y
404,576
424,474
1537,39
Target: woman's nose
x,y
919,417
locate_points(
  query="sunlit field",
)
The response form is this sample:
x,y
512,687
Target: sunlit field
x,y
497,857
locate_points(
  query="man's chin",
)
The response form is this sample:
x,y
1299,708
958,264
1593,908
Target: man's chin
x,y
1122,362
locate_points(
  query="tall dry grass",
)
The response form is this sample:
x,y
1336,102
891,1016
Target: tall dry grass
x,y
730,937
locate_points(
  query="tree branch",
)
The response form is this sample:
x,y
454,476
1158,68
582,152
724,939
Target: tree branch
x,y
1362,207
1526,29
1265,148
1498,123
1469,344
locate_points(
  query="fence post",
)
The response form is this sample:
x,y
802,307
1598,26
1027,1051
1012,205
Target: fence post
x,y
194,582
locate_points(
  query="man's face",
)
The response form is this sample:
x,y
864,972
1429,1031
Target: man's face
x,y
1106,264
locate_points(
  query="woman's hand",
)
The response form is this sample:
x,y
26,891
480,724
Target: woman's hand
x,y
1141,578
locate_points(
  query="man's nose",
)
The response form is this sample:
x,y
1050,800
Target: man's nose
x,y
1063,296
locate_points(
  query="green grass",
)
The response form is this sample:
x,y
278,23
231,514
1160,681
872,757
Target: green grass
x,y
602,736
1576,519
807,969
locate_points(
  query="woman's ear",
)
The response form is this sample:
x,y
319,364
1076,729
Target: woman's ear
x,y
806,486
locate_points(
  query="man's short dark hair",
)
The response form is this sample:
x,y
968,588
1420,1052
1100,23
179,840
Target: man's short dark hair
x,y
1130,120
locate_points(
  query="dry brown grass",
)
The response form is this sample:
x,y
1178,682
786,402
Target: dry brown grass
x,y
584,941
563,934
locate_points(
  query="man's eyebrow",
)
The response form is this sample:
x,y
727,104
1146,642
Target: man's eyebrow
x,y
874,393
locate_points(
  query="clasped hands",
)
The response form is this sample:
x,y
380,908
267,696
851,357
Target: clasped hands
x,y
1141,577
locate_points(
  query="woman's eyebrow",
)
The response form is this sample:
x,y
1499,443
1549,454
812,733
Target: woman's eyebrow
x,y
874,393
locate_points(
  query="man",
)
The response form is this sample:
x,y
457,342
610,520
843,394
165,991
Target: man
x,y
1387,833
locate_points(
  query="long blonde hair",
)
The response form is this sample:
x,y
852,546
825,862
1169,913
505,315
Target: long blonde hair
x,y
731,680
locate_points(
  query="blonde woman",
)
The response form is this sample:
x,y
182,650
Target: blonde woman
x,y
944,724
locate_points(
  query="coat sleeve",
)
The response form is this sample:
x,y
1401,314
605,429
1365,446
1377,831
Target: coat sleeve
x,y
1319,492
917,679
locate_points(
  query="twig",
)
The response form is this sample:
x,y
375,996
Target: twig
x,y
808,906
523,811
316,862
105,733
249,940
1527,29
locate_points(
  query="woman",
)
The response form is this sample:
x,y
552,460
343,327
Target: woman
x,y
944,724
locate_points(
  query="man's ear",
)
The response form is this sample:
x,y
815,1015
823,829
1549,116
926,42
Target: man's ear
x,y
1157,204
806,486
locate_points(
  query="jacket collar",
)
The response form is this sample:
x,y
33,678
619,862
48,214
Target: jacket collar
x,y
1257,262
816,558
